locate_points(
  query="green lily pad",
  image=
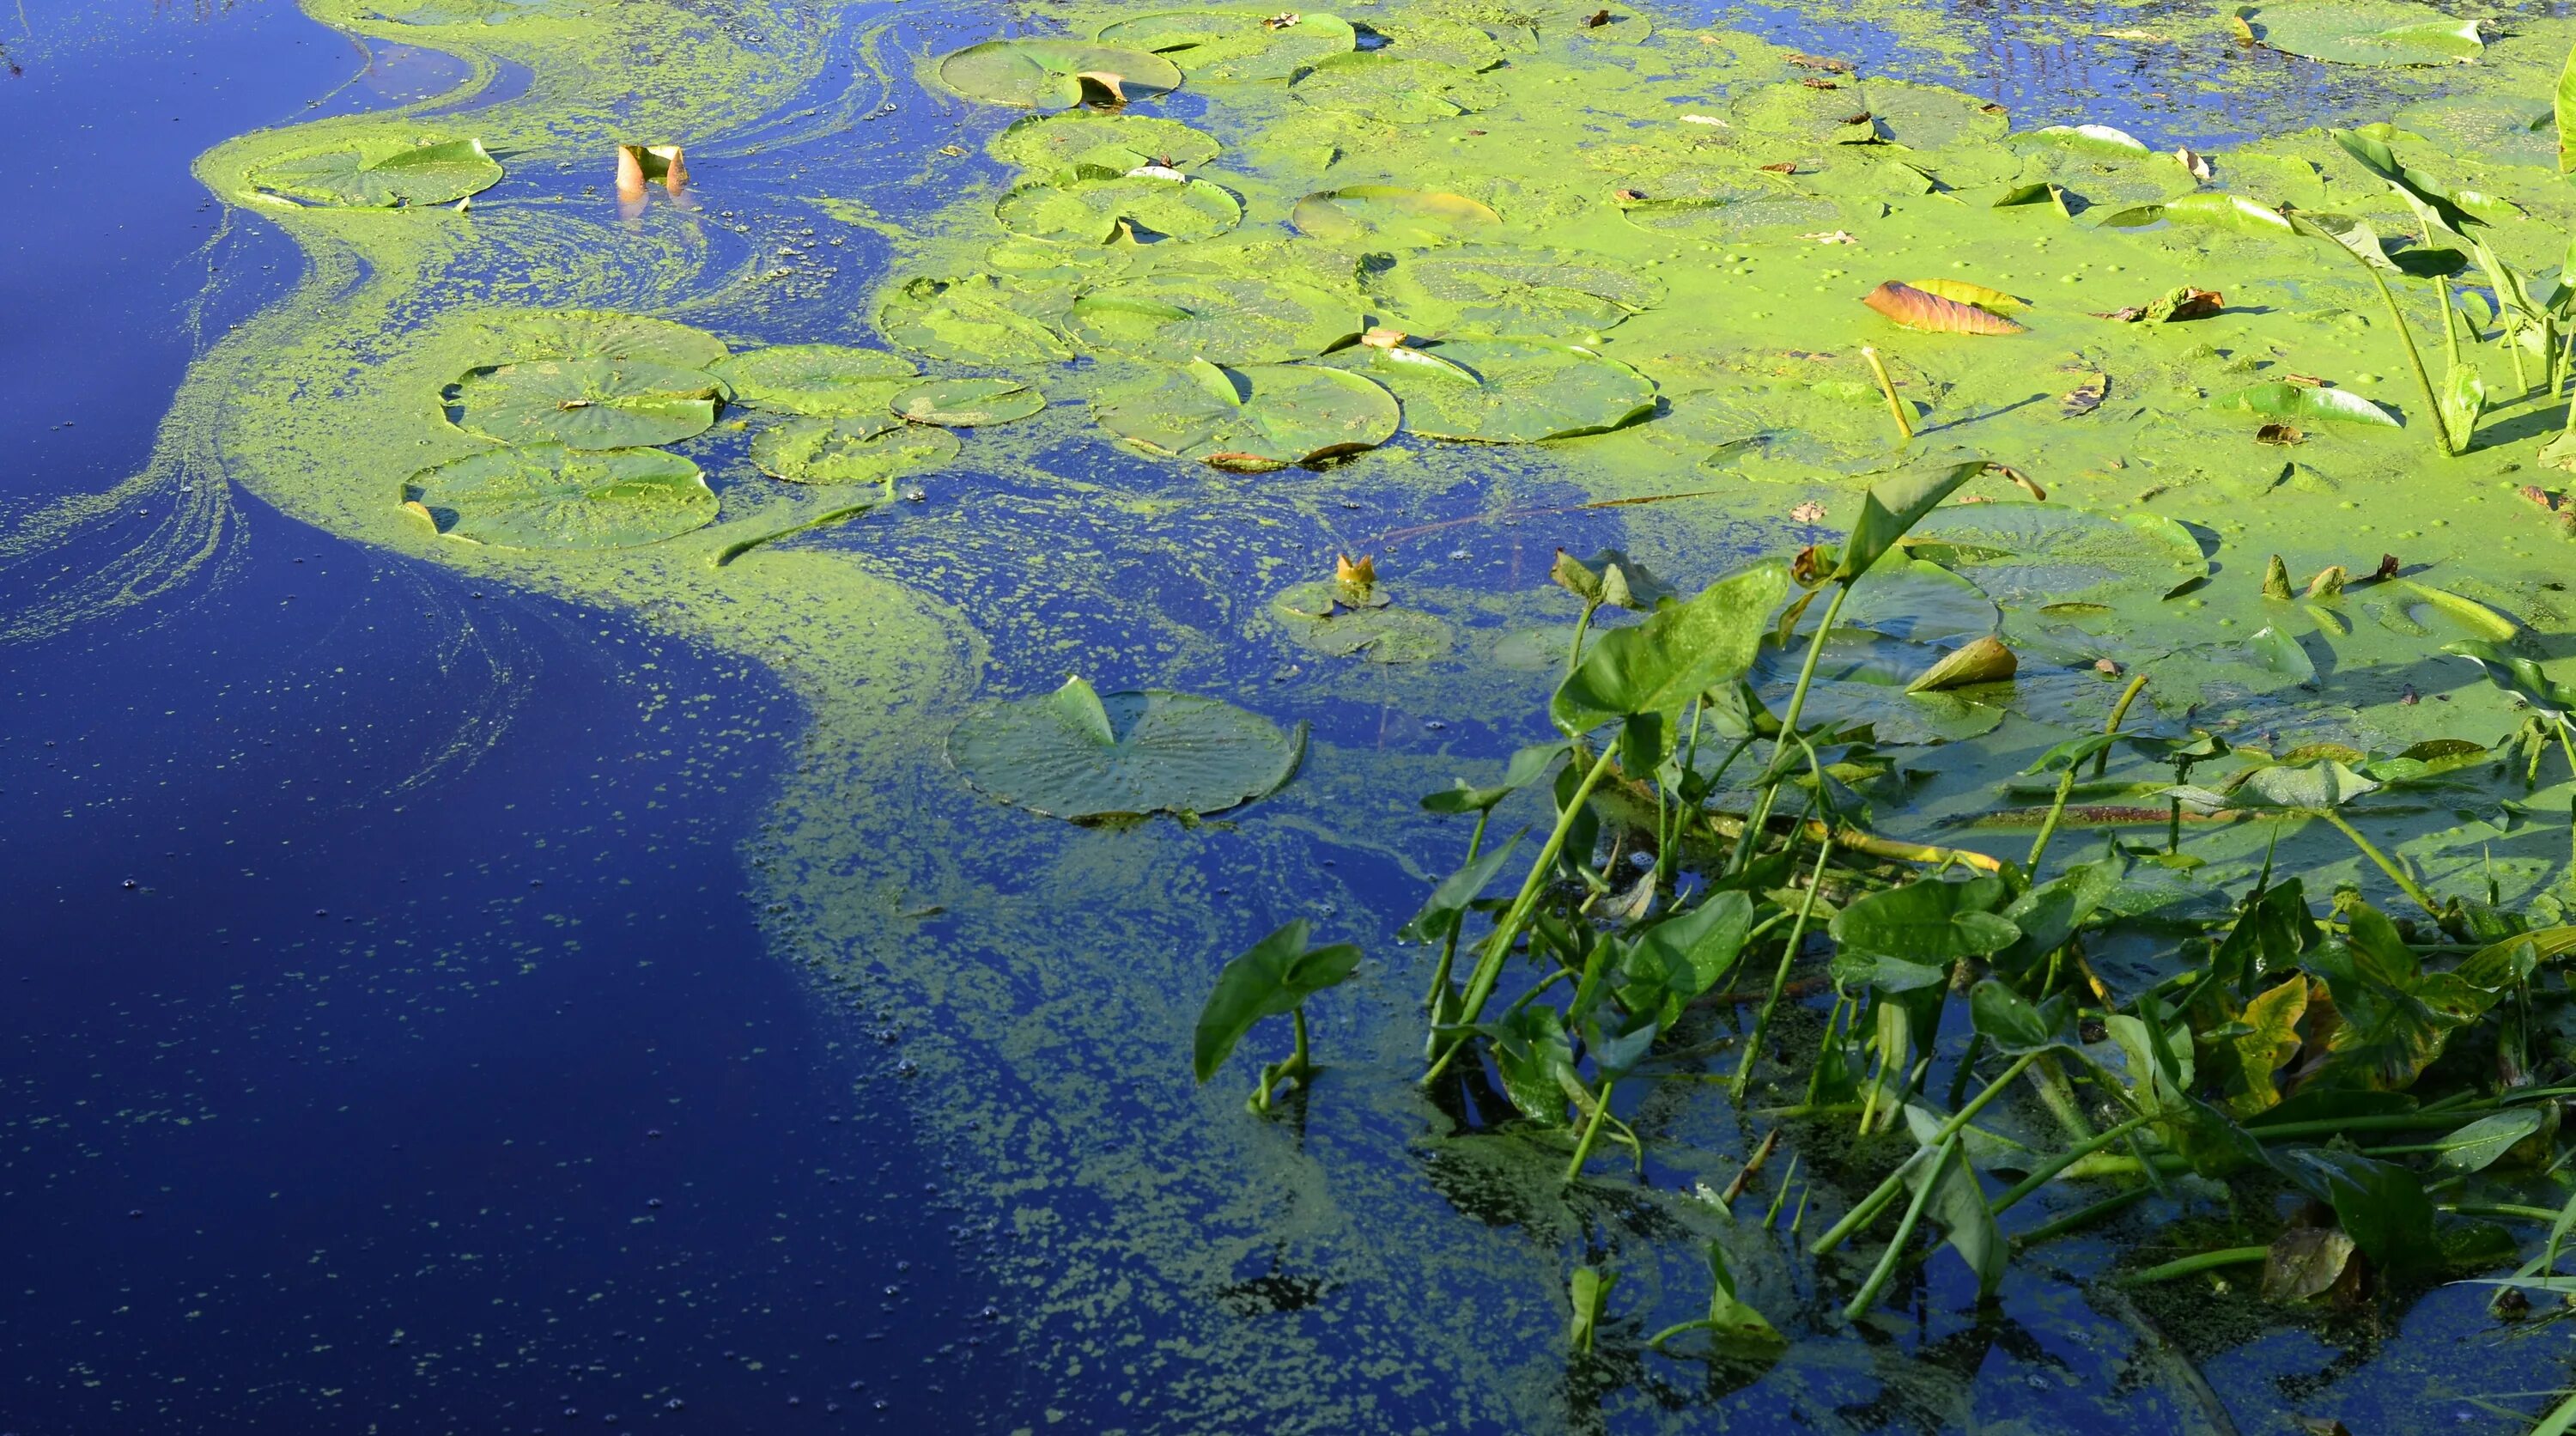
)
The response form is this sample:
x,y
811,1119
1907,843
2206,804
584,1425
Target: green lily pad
x,y
1715,203
586,403
522,334
1557,19
977,319
1929,117
1098,209
1216,46
968,403
1391,214
1253,417
2027,555
1505,289
1046,74
2364,32
1448,42
1392,90
1105,140
1505,391
828,380
1910,599
1794,111
383,175
545,496
1225,319
850,451
2306,404
1077,753
1378,632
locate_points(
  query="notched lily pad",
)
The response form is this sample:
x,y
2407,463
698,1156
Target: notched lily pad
x,y
1080,754
522,334
1254,417
824,380
381,175
1504,391
1074,140
978,319
1097,209
586,403
546,496
1056,74
1393,90
1222,318
849,451
1392,215
1506,289
1320,617
2362,32
968,403
2026,555
1217,46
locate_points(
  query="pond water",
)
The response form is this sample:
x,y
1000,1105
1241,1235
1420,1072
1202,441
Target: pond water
x,y
472,987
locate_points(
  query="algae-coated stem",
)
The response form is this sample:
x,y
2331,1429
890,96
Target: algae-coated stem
x,y
2395,873
1870,1206
2047,1171
2415,361
1888,1260
1780,976
1789,727
2205,1261
1436,1000
1887,386
2081,1217
2066,780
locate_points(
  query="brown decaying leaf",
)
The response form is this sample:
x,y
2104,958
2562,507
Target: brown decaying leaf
x,y
2324,1425
2329,581
1282,20
1628,196
636,164
2387,568
1986,660
1991,108
1596,20
1102,87
1382,338
2192,164
1819,62
1808,511
2305,381
2307,1262
2184,303
2086,396
1359,573
2108,668
1785,167
1832,236
1914,309
2279,433
1812,83
2550,503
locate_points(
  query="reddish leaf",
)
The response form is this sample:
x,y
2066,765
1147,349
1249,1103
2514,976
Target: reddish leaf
x,y
1914,309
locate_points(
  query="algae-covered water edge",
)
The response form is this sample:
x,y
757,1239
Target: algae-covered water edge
x,y
2025,882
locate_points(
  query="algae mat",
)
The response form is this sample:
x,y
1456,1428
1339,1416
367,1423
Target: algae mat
x,y
1416,294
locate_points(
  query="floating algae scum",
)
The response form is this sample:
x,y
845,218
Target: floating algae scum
x,y
1093,372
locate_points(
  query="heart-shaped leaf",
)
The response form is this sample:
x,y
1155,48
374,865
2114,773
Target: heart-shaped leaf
x,y
545,496
586,403
1077,753
1055,74
1251,417
1268,979
383,175
832,381
849,451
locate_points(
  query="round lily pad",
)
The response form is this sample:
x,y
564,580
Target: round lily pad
x,y
1077,753
1376,632
1390,214
545,496
1225,319
1049,74
1393,90
2027,555
1504,289
522,334
2365,32
1929,117
849,451
1805,114
968,403
383,176
1505,391
1225,45
1099,209
979,319
1447,42
1102,140
586,403
1557,19
1252,418
830,380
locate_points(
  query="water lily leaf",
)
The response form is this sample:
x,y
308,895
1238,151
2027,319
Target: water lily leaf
x,y
1505,391
1839,115
2024,555
383,175
1916,601
1663,665
1251,417
2306,404
1074,140
967,403
2281,653
1928,922
1077,753
1391,215
546,496
1215,46
1983,660
2098,141
1393,90
1505,289
1450,42
1222,318
1994,301
598,334
1897,505
1099,209
2207,211
586,403
1268,979
978,319
1377,632
2519,676
1050,74
2478,1145
2364,32
2303,788
827,380
849,451
1933,314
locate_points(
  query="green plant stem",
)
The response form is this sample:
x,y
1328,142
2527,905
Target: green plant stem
x,y
2047,1171
1887,386
2081,1217
2232,1256
1489,963
1780,975
1436,1000
2386,1122
1890,1259
1761,816
2501,1209
1591,1133
2395,873
2560,1420
2066,780
1583,625
1966,1070
2415,361
2119,715
1870,1206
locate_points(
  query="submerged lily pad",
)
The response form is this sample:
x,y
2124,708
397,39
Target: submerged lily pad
x,y
1253,417
599,334
586,403
545,496
2364,32
1051,74
1713,203
1095,139
1806,114
1224,45
1226,319
968,403
977,319
2024,555
1077,753
1393,90
1099,209
1505,391
829,380
1450,42
1379,632
1391,214
1505,289
850,451
381,176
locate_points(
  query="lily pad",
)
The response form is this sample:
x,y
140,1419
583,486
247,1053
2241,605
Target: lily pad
x,y
850,451
1225,319
1505,391
1106,140
968,403
1051,74
2306,404
1077,753
1390,214
545,496
1099,209
978,319
1450,42
1505,289
1254,417
2364,32
2026,555
586,403
1805,114
1715,203
828,380
524,334
1393,90
1216,46
1378,632
383,176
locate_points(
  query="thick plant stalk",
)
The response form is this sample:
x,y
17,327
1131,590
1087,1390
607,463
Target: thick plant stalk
x,y
1870,1206
1887,386
1591,1133
1894,1256
2047,1171
2395,873
1789,728
2415,361
2066,780
2204,1261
